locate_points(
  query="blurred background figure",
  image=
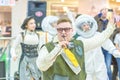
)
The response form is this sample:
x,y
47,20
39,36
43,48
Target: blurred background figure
x,y
94,59
116,61
117,44
48,25
102,21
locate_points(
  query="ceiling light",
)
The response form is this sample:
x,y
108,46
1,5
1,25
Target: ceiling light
x,y
117,0
62,0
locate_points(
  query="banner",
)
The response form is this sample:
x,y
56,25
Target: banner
x,y
7,2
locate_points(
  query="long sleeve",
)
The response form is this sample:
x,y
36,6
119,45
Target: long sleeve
x,y
16,42
46,59
109,46
96,41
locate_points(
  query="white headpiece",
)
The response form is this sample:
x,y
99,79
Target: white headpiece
x,y
46,24
86,19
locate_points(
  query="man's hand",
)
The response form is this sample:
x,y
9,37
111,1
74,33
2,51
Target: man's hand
x,y
63,44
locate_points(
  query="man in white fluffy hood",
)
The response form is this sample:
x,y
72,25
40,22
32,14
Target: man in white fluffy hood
x,y
95,66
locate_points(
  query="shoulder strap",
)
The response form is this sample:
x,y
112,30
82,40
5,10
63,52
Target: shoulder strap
x,y
22,34
38,35
38,38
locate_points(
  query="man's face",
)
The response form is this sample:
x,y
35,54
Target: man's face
x,y
104,13
65,31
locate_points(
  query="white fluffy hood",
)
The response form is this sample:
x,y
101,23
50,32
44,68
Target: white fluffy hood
x,y
46,24
83,19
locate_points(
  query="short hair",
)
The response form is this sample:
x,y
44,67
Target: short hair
x,y
25,22
63,20
103,9
77,16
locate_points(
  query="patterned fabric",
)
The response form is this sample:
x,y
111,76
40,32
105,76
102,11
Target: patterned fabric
x,y
27,64
29,50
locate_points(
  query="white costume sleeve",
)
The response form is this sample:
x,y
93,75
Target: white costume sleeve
x,y
109,46
96,41
46,59
16,42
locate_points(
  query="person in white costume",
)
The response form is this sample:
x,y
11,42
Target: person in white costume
x,y
48,26
95,66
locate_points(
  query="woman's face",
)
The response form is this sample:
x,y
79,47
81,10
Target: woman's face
x,y
85,27
31,25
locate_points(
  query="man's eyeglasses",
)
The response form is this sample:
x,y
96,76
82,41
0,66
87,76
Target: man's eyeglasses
x,y
65,29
